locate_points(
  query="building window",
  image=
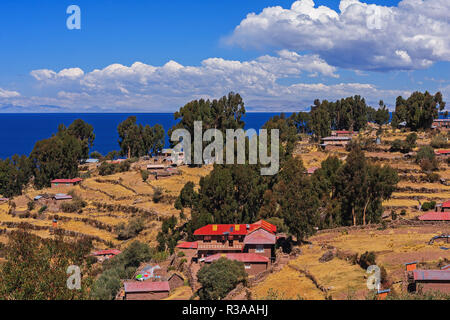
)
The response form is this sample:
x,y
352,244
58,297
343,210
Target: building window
x,y
248,266
259,248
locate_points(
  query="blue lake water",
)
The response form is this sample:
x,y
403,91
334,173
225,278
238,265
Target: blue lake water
x,y
19,132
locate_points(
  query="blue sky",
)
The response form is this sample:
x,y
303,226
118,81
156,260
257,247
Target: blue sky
x,y
279,59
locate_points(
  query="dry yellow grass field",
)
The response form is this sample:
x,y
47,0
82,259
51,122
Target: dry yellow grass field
x,y
287,284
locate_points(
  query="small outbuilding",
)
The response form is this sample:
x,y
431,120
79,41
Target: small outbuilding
x,y
65,182
146,290
175,281
429,281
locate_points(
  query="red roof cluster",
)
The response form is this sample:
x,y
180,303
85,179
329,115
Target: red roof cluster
x,y
234,229
146,286
435,216
242,257
107,252
76,180
188,245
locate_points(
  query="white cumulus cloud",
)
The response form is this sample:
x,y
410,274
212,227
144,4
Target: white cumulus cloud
x,y
8,94
412,35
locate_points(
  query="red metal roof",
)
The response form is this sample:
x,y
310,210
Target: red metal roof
x,y
243,257
266,225
234,229
260,236
220,229
146,286
188,245
67,180
443,151
447,267
431,275
435,216
106,252
446,204
343,132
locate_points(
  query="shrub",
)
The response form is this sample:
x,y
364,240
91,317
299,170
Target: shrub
x,y
439,141
157,195
180,254
427,206
432,177
42,209
403,212
425,152
131,230
144,175
96,155
367,259
76,205
31,205
220,277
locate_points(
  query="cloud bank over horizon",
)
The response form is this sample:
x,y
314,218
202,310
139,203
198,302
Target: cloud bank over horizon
x,y
142,87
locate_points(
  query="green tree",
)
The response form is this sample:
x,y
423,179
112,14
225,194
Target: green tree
x,y
84,132
55,158
35,268
219,278
419,110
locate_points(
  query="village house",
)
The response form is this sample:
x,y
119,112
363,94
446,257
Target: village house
x,y
441,124
428,281
335,141
103,255
253,244
62,197
436,215
442,153
147,290
343,133
253,263
65,182
442,207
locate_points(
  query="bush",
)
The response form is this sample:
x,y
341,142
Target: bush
x,y
432,177
439,141
75,205
427,206
157,195
425,152
429,165
181,254
144,175
131,230
30,205
42,209
367,259
220,277
96,155
403,212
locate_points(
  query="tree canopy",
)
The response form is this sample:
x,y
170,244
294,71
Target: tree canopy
x,y
137,140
